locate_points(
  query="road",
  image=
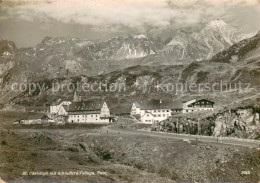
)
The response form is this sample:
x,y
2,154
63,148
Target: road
x,y
117,129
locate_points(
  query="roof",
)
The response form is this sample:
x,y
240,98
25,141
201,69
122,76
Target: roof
x,y
205,100
58,102
121,109
84,112
137,104
34,117
82,106
177,104
148,113
66,107
156,104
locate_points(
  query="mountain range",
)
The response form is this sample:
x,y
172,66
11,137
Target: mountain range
x,y
216,43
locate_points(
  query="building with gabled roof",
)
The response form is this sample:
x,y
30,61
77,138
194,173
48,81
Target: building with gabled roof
x,y
198,105
94,111
77,111
148,118
158,109
152,111
57,107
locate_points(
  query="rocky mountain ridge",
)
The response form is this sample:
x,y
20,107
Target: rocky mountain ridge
x,y
63,59
215,37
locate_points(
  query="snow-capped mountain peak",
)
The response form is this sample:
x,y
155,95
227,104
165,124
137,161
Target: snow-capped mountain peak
x,y
216,24
140,36
214,37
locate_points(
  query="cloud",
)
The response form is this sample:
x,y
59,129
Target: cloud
x,y
112,14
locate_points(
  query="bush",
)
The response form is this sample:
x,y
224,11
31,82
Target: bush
x,y
4,142
90,160
73,149
164,171
80,163
34,154
139,166
106,156
82,147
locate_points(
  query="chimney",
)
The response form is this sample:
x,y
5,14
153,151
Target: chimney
x,y
160,101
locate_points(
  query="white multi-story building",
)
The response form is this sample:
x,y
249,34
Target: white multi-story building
x,y
88,112
152,111
77,111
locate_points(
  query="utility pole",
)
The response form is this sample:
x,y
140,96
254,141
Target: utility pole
x,y
177,125
199,125
165,126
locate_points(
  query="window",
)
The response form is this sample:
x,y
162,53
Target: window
x,y
163,115
187,110
167,110
162,110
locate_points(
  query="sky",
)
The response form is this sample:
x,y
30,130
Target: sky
x,y
27,22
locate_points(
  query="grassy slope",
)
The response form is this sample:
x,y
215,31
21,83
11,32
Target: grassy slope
x,y
124,157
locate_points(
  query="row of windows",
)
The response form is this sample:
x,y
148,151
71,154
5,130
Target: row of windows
x,y
159,115
202,102
177,110
77,116
158,110
200,109
77,120
209,106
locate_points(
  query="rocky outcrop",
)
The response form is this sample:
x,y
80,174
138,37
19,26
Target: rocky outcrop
x,y
241,122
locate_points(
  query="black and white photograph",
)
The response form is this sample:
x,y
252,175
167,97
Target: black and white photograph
x,y
142,91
